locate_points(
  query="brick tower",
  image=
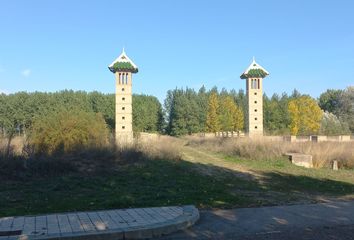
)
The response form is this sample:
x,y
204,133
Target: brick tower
x,y
254,75
123,68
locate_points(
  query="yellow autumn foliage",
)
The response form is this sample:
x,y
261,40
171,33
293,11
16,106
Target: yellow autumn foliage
x,y
305,116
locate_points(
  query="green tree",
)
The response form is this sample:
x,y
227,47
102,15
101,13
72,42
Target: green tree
x,y
13,117
345,109
147,114
329,100
276,115
202,100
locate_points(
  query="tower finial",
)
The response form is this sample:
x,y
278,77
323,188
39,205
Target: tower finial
x,y
254,59
123,50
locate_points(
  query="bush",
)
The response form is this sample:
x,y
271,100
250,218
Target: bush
x,y
67,131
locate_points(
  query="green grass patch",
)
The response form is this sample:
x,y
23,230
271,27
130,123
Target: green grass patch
x,y
145,184
280,175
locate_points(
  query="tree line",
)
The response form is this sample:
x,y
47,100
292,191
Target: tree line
x,y
18,110
187,111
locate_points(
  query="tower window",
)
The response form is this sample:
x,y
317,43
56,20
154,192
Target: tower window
x,y
255,102
123,127
255,127
123,99
256,119
123,118
123,108
123,89
255,84
255,110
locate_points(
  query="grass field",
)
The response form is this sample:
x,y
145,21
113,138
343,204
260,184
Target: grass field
x,y
199,176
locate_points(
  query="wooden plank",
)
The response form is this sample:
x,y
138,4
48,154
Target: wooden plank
x,y
86,222
53,224
75,223
147,218
41,225
177,210
6,224
18,224
64,224
138,219
97,221
107,220
154,217
125,216
156,214
29,226
117,219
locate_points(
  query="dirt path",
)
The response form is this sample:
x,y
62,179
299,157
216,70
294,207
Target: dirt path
x,y
205,159
211,164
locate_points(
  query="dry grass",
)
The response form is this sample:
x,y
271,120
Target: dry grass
x,y
16,145
161,147
87,161
323,153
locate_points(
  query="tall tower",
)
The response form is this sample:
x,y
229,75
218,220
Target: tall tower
x,y
123,68
254,75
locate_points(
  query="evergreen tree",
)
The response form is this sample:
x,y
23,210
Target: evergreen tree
x,y
147,114
202,100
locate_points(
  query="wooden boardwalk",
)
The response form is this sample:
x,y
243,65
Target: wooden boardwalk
x,y
111,224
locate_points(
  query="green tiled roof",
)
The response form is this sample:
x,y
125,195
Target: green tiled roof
x,y
257,73
123,66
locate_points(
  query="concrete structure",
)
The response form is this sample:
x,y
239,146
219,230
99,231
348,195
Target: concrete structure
x,y
133,223
254,75
316,138
123,68
302,160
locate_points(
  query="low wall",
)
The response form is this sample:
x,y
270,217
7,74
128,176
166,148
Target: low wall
x,y
314,138
147,137
319,138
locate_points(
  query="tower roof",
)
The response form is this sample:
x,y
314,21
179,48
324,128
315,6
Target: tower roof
x,y
123,63
254,70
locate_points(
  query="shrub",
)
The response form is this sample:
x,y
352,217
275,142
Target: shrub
x,y
67,131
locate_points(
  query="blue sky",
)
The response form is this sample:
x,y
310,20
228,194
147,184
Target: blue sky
x,y
55,45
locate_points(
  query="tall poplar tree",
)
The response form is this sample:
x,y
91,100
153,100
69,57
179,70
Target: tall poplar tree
x,y
213,124
305,115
